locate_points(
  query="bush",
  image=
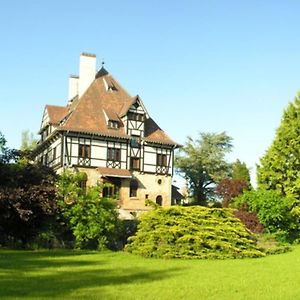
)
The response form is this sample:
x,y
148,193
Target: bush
x,y
192,232
278,214
93,220
249,219
27,202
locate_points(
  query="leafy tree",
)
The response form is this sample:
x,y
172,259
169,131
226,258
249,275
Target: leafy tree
x,y
279,167
229,188
7,155
27,202
29,142
240,172
92,219
249,219
2,142
202,163
276,213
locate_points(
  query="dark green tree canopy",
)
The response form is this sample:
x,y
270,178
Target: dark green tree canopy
x,y
202,163
240,171
279,168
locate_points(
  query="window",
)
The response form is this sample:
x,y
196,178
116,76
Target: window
x,y
111,188
54,153
134,163
135,141
133,188
113,124
108,191
161,160
136,117
84,151
113,154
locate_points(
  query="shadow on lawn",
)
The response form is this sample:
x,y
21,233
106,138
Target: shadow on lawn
x,y
31,260
64,276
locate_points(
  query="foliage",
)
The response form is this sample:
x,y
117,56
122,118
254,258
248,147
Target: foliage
x,y
229,188
240,172
2,142
276,213
249,219
7,155
192,232
27,198
93,220
279,167
203,163
27,202
28,142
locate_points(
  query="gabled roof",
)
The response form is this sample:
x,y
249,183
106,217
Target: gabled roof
x,y
56,113
104,99
153,133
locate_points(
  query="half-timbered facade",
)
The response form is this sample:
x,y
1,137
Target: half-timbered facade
x,y
110,136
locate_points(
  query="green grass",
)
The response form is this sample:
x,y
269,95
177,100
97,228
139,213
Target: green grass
x,y
110,275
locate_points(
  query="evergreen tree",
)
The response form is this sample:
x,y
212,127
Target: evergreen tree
x,y
241,172
279,168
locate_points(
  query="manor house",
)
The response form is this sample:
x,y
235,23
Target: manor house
x,y
110,136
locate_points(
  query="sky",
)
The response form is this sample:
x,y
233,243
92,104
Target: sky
x,y
198,66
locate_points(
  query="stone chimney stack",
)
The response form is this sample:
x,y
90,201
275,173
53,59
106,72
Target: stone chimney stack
x,y
73,87
87,72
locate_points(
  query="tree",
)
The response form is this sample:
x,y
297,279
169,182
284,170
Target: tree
x,y
28,142
2,142
234,185
276,213
229,188
240,172
7,155
92,219
27,201
279,167
203,164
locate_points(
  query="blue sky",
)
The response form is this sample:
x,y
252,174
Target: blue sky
x,y
199,66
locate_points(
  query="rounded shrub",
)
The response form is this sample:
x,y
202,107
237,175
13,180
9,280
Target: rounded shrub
x,y
192,232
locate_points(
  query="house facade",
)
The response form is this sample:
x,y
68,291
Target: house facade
x,y
110,136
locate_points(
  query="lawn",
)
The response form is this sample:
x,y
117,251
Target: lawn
x,y
118,275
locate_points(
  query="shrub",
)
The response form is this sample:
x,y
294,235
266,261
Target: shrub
x,y
249,219
27,202
93,220
192,232
276,213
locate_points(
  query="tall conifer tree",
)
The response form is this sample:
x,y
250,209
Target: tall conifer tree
x,y
279,168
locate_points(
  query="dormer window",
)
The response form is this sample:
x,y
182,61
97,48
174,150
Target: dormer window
x,y
113,124
136,117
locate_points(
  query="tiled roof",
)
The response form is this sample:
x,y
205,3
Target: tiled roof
x,y
87,114
153,133
56,113
113,172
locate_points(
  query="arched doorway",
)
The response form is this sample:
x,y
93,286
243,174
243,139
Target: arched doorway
x,y
159,200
